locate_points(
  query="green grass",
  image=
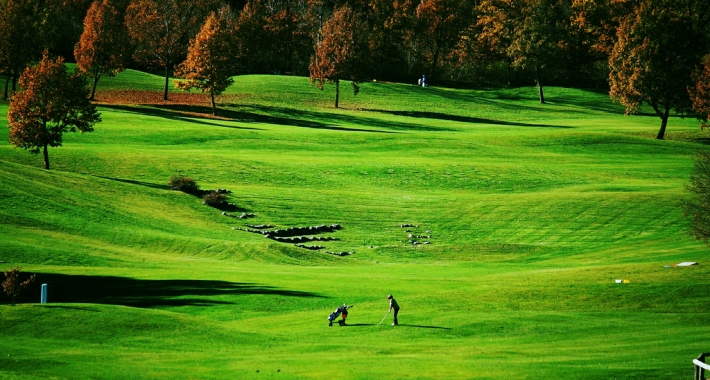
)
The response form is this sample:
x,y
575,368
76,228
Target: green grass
x,y
534,211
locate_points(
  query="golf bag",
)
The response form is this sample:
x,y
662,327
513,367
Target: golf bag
x,y
340,311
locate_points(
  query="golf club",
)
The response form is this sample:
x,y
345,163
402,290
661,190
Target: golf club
x,y
383,318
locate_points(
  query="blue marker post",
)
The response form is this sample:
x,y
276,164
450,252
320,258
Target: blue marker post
x,y
43,297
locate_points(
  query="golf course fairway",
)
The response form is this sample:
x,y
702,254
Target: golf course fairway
x,y
530,213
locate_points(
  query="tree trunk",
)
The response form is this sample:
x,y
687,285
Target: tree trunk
x,y
337,92
7,86
510,64
664,123
93,89
214,107
539,85
46,157
14,81
167,72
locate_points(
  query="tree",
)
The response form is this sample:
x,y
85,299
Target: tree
x,y
103,48
49,103
491,37
12,285
209,58
658,46
536,39
440,23
342,53
20,39
700,92
696,205
161,30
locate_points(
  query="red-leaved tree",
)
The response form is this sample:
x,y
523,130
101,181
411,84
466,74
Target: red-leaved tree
x,y
12,285
209,62
658,47
342,53
49,103
161,30
104,47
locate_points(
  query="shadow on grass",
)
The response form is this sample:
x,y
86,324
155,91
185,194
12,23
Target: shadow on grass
x,y
133,292
230,207
168,114
277,116
465,119
140,183
425,327
359,324
273,115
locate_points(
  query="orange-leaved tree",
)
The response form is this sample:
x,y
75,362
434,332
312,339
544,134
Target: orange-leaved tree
x,y
658,46
12,284
161,30
342,53
50,102
209,62
439,25
104,47
700,92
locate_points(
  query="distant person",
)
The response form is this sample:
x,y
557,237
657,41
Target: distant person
x,y
424,84
393,306
419,82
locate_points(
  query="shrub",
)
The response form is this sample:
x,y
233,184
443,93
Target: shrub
x,y
184,184
696,203
214,199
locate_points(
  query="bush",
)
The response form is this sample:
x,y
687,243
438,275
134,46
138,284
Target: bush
x,y
214,199
696,203
184,184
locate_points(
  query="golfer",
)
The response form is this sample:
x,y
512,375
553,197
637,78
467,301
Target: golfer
x,y
393,306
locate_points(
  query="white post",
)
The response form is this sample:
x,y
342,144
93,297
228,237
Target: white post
x,y
43,297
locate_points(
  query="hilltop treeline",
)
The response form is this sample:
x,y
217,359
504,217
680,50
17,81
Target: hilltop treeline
x,y
465,41
645,50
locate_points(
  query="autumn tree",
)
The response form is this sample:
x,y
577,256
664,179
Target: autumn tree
x,y
209,65
658,46
439,24
103,48
161,30
12,286
342,54
700,91
20,38
49,103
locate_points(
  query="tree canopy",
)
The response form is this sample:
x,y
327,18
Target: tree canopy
x,y
209,62
50,103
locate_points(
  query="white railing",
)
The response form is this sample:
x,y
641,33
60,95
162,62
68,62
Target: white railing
x,y
701,366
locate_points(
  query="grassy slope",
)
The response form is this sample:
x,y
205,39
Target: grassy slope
x,y
534,211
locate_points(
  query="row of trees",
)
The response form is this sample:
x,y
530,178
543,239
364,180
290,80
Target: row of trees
x,y
649,51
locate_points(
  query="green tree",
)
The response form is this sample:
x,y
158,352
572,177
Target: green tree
x,y
536,40
696,204
20,38
49,103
